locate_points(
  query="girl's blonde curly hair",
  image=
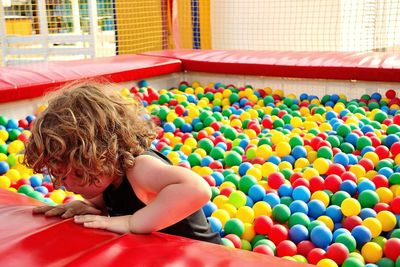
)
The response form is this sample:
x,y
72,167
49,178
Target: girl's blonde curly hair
x,y
90,129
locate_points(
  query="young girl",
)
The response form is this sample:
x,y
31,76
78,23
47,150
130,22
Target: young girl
x,y
97,144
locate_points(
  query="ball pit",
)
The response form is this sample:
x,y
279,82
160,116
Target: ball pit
x,y
307,179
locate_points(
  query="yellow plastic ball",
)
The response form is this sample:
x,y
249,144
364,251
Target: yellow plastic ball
x,y
13,175
3,135
267,168
371,252
231,209
309,173
262,208
321,165
283,149
374,225
327,263
245,214
221,215
322,196
387,219
220,200
385,194
249,232
4,182
350,207
327,221
358,170
263,151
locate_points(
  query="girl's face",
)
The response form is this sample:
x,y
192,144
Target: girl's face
x,y
72,181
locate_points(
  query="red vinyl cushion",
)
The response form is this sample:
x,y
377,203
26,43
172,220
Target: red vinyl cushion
x,y
366,66
34,240
33,80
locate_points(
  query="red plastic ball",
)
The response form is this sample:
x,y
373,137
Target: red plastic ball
x,y
380,181
333,182
235,240
286,248
348,176
390,94
381,206
395,149
395,205
317,183
263,224
350,222
336,168
382,152
337,252
210,180
392,248
315,255
278,233
301,182
396,119
367,164
226,191
304,247
264,249
275,180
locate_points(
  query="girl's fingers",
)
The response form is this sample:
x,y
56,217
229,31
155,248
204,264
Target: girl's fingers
x,y
55,211
42,209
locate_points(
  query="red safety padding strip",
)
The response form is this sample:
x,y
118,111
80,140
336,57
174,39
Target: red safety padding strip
x,y
366,66
34,240
33,80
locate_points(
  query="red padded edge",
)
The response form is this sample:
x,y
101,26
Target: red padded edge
x,y
366,66
34,240
33,80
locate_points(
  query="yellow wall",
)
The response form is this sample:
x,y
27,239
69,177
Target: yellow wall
x,y
20,26
139,25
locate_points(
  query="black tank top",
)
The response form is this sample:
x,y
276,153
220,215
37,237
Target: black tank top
x,y
123,201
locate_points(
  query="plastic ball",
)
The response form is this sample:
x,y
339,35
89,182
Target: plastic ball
x,y
281,213
298,233
337,252
392,248
327,263
278,233
387,219
361,234
286,248
321,236
371,252
234,226
350,207
237,198
347,240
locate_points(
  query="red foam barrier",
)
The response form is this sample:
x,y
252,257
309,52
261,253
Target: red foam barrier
x,y
33,80
366,66
34,240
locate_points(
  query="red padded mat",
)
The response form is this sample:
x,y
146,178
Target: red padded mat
x,y
34,240
366,66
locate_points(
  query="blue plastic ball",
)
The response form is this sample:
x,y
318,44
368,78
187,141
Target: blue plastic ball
x,y
335,213
215,224
35,181
272,199
316,208
298,233
321,236
301,193
3,167
361,234
209,208
256,192
298,206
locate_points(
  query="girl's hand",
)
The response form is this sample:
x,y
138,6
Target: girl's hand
x,y
119,224
68,210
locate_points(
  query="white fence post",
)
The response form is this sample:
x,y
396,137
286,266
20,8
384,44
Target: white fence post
x,y
3,33
93,21
44,28
75,16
